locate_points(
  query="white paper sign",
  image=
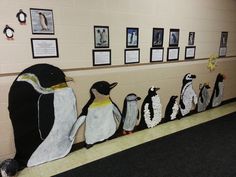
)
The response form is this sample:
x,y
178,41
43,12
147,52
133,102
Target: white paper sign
x,y
173,54
44,48
157,55
131,56
190,52
223,51
101,57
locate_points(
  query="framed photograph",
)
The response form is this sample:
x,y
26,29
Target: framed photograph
x,y
172,53
190,52
223,39
44,47
157,37
222,51
174,37
42,21
132,37
132,56
101,57
156,54
101,36
191,38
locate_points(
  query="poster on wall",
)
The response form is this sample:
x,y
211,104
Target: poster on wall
x,y
190,52
101,36
191,38
157,37
223,44
44,47
42,21
174,37
132,37
172,54
101,57
132,56
156,54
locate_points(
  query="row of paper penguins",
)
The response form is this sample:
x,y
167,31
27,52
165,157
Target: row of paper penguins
x,y
43,112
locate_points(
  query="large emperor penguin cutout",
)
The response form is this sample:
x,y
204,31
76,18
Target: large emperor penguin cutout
x,y
188,96
151,114
42,110
101,116
218,90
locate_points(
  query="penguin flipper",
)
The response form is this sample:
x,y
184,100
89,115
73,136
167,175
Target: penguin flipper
x,y
76,126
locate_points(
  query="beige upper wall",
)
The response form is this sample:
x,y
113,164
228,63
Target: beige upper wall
x,y
74,21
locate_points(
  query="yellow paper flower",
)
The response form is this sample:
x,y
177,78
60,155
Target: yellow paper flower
x,y
212,63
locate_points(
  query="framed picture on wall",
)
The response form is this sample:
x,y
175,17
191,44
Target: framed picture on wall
x,y
44,48
223,39
157,37
132,35
190,52
132,56
172,53
174,37
42,21
101,57
191,38
101,36
156,54
222,51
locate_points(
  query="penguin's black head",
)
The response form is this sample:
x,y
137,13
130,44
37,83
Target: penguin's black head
x,y
174,97
220,77
152,91
188,78
48,75
103,87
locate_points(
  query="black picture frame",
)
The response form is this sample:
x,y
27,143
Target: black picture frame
x,y
42,21
174,37
101,36
157,37
44,47
132,37
191,38
190,52
224,39
101,57
156,54
132,56
172,53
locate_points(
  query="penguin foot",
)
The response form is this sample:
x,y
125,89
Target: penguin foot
x,y
88,146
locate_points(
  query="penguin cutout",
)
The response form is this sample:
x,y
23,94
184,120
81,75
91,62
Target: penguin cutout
x,y
203,98
101,115
130,113
218,90
151,114
21,16
8,168
9,32
43,21
188,96
42,110
172,109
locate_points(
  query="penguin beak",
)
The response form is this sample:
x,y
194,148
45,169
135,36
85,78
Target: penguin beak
x,y
68,79
138,98
113,85
157,88
193,76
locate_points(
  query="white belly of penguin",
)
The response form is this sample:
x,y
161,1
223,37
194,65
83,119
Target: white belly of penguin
x,y
100,124
57,144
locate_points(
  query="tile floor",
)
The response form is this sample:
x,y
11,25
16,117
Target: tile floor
x,y
83,156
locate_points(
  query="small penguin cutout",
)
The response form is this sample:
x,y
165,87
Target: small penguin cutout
x,y
172,109
130,113
101,115
188,96
21,16
218,90
9,32
151,114
203,98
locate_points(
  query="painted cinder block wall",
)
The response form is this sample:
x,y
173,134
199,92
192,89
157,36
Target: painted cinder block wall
x,y
74,21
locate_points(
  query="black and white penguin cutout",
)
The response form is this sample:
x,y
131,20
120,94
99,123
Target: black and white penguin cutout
x,y
218,90
43,22
151,110
203,98
130,113
188,96
21,16
172,109
9,168
101,115
9,32
43,111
